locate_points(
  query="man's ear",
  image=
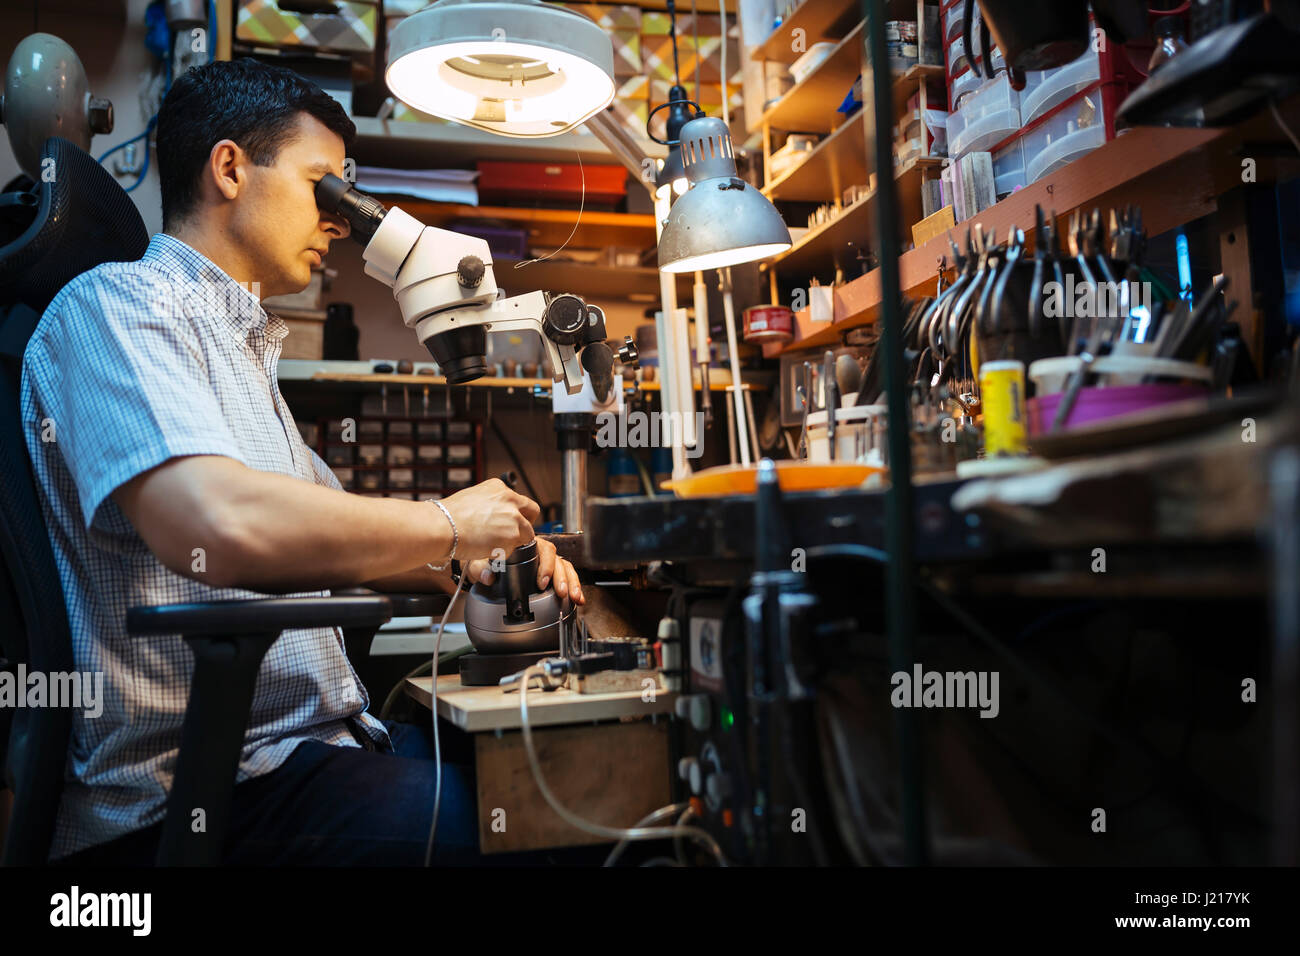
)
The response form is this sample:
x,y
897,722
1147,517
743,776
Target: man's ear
x,y
226,168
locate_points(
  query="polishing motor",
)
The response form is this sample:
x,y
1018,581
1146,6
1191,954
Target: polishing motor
x,y
512,615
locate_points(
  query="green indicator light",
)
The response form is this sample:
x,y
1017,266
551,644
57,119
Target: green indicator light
x,y
728,718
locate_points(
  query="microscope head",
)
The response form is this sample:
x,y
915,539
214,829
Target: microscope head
x,y
445,286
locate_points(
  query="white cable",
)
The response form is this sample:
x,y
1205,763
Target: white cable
x,y
582,202
596,829
437,743
650,818
1277,115
677,843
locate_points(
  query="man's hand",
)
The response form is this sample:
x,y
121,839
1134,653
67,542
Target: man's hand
x,y
489,516
549,565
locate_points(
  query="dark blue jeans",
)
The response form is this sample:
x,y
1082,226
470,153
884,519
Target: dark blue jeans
x,y
343,806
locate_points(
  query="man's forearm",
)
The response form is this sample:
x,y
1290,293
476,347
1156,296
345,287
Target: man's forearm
x,y
417,581
297,536
220,522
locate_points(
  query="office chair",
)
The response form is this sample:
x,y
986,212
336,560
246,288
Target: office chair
x,y
81,219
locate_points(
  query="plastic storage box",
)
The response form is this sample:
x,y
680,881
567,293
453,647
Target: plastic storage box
x,y
508,181
1009,169
958,62
954,19
1079,128
1056,86
986,117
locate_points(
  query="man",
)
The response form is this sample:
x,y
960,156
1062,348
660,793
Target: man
x,y
177,474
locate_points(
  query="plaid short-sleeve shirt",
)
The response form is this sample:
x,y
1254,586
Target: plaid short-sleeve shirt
x,y
133,364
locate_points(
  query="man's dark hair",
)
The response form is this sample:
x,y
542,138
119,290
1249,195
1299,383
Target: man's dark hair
x,y
251,103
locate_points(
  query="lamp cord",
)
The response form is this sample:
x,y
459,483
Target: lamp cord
x,y
695,25
726,110
672,35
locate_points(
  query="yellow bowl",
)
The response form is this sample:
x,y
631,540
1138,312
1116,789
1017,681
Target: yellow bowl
x,y
791,475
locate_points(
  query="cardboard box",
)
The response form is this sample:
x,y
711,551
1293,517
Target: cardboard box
x,y
610,16
350,30
306,338
706,58
658,23
933,226
627,52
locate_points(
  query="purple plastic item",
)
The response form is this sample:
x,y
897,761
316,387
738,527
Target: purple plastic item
x,y
1098,404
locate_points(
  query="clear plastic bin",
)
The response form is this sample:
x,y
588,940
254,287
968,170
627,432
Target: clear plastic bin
x,y
1056,86
987,116
957,60
954,19
956,56
1077,129
968,82
1009,169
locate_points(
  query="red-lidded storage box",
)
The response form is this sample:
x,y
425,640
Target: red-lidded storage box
x,y
550,182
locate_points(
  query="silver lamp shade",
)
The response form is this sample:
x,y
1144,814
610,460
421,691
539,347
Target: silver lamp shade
x,y
721,220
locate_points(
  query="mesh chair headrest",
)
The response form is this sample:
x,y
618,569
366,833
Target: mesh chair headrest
x,y
85,218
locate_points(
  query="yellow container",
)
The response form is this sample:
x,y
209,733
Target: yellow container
x,y
1002,388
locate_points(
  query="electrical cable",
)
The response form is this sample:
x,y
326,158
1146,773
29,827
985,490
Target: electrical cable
x,y
514,458
677,840
647,483
650,818
153,120
1098,724
571,818
695,25
144,166
582,203
1277,115
672,38
437,742
726,110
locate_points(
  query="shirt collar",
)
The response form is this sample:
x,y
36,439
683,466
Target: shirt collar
x,y
228,301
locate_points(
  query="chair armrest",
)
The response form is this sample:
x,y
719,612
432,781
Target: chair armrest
x,y
259,615
406,604
228,640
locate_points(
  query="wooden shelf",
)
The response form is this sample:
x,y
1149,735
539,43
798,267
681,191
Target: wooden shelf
x,y
392,378
819,19
840,160
714,386
907,83
592,282
549,227
809,106
390,142
818,250
1175,175
430,381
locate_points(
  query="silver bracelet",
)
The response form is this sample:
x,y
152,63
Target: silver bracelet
x,y
455,536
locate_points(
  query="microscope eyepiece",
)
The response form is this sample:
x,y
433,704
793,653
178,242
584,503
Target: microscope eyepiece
x,y
363,213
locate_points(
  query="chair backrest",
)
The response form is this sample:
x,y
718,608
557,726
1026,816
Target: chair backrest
x,y
84,218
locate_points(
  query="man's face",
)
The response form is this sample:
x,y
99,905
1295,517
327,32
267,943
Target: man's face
x,y
278,220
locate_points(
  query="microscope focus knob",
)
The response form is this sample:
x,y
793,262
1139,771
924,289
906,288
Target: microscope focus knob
x,y
627,353
470,271
565,317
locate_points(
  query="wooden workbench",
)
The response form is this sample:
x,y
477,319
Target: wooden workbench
x,y
604,756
